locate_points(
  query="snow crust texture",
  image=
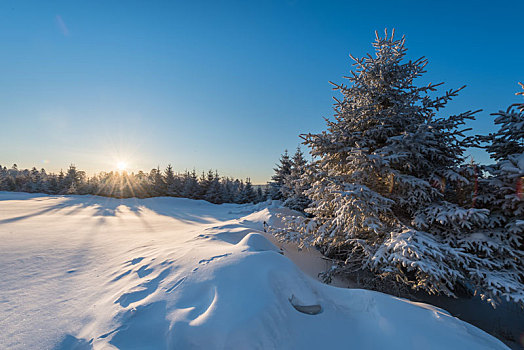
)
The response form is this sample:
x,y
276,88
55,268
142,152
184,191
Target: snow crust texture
x,y
85,272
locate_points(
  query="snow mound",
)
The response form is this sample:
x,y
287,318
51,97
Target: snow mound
x,y
256,242
83,272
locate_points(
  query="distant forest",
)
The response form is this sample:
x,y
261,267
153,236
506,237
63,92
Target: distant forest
x,y
210,187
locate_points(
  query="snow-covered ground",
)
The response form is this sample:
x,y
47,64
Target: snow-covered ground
x,y
82,272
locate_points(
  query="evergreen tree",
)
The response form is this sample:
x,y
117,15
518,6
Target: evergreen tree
x,y
205,183
377,202
171,182
191,189
52,184
214,191
158,183
35,180
60,182
141,186
267,193
295,184
238,191
502,193
226,190
260,195
11,176
509,139
248,195
278,179
43,181
126,185
72,180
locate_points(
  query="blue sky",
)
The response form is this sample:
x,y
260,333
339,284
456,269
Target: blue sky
x,y
220,84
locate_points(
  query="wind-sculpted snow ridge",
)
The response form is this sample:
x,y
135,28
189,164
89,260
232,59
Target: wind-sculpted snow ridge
x,y
84,272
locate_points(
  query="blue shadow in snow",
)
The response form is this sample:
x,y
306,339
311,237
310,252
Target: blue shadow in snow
x,y
181,209
72,343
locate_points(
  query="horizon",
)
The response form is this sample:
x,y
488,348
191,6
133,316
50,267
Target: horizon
x,y
124,171
224,86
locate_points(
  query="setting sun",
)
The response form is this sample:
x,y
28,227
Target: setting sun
x,y
121,166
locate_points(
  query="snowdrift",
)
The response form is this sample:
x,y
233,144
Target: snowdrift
x,y
84,272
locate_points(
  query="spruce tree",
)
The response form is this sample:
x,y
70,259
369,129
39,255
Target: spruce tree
x,y
248,194
170,181
72,180
190,185
278,179
226,190
60,181
52,186
214,189
158,184
295,183
509,139
260,195
382,178
502,193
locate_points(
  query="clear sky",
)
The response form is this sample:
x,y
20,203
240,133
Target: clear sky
x,y
220,84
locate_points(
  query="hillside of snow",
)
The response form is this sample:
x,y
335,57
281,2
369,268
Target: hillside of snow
x,y
86,272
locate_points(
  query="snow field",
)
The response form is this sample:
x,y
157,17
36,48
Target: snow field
x,y
85,272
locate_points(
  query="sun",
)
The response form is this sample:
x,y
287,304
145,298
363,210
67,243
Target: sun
x,y
121,166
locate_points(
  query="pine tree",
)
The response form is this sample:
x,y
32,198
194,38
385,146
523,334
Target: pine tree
x,y
281,172
43,181
169,179
248,195
141,186
214,189
158,184
60,182
238,191
205,183
267,193
226,190
378,200
295,184
260,195
509,139
71,180
52,186
191,188
501,192
35,180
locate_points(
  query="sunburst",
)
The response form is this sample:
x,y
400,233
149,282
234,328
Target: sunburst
x,y
121,165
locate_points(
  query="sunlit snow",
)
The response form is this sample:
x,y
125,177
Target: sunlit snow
x,y
168,273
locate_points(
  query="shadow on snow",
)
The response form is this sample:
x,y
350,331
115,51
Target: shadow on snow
x,y
181,209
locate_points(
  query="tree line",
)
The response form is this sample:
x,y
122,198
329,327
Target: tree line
x,y
211,186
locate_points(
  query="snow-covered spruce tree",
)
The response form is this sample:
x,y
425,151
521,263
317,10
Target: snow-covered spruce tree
x,y
281,172
509,139
260,195
501,192
381,181
157,184
214,190
72,180
170,181
190,185
247,194
295,184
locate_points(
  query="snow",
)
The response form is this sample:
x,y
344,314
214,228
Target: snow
x,y
90,272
